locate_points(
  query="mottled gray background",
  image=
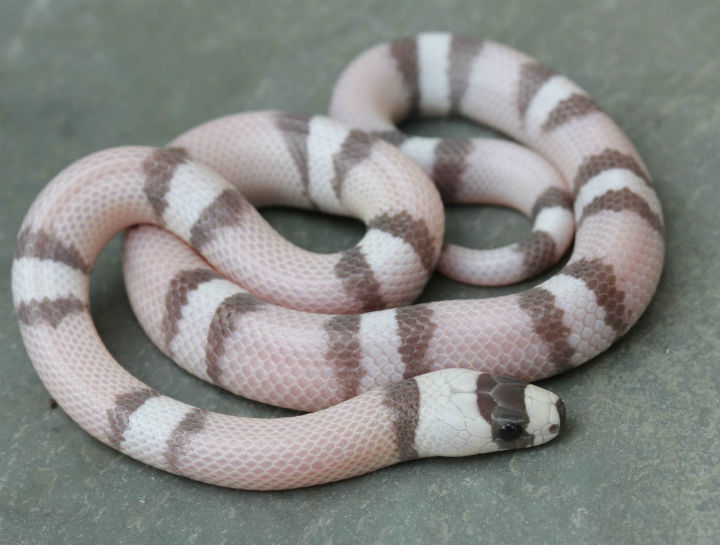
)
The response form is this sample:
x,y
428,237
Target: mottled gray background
x,y
638,462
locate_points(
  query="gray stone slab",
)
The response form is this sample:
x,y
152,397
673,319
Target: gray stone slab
x,y
639,460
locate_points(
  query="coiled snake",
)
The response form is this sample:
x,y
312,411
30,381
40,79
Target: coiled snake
x,y
333,333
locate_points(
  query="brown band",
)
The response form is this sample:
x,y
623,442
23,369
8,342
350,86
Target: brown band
x,y
159,168
403,400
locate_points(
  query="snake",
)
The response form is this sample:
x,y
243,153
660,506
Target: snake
x,y
382,380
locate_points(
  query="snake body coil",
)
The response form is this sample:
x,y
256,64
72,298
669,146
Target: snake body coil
x,y
333,333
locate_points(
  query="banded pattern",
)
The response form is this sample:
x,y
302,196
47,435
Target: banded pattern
x,y
191,424
403,400
344,353
305,360
412,231
295,130
405,54
223,323
47,247
415,328
159,169
575,106
449,165
619,201
119,416
318,163
547,323
435,71
619,248
177,297
42,254
533,75
608,159
50,311
461,56
358,279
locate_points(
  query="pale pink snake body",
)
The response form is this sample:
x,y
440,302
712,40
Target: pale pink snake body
x,y
309,361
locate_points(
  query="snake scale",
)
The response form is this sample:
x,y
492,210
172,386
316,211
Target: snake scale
x,y
336,334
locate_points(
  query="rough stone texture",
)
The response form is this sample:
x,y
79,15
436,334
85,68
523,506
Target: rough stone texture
x,y
639,461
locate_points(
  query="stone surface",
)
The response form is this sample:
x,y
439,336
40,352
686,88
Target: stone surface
x,y
639,460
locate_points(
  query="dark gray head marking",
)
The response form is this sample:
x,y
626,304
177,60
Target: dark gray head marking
x,y
403,400
344,353
501,402
571,108
159,168
222,325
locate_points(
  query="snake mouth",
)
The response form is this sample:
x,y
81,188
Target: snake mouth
x,y
560,408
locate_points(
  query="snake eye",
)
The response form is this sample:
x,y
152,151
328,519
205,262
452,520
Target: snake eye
x,y
510,431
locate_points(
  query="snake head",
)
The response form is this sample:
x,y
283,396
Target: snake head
x,y
520,414
475,413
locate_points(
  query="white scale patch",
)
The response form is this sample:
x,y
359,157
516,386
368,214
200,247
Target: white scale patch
x,y
377,245
189,344
504,258
493,77
34,278
582,315
325,139
489,267
450,423
150,427
556,220
433,59
379,343
613,180
187,197
422,151
554,91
